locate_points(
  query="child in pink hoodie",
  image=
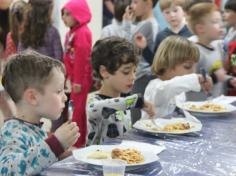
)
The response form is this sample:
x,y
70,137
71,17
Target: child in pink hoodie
x,y
76,15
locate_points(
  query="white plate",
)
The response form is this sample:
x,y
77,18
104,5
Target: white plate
x,y
149,155
186,106
147,125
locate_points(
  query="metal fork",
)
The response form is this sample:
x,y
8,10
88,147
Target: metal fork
x,y
156,124
204,75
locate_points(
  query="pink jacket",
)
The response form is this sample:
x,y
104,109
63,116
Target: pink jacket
x,y
78,43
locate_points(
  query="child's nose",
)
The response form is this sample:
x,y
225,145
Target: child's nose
x,y
65,97
132,76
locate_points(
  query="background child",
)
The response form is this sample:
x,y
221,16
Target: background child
x,y
25,149
205,22
147,27
16,17
38,33
230,40
174,70
76,15
229,17
173,12
117,27
106,109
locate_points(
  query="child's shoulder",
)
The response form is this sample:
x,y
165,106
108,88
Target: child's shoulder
x,y
13,127
92,97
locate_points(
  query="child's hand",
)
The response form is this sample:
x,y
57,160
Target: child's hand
x,y
67,134
220,74
206,84
140,41
76,88
149,109
129,14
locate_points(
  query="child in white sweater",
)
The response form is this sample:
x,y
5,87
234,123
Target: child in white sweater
x,y
174,64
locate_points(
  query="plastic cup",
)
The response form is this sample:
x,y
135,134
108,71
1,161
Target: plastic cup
x,y
114,167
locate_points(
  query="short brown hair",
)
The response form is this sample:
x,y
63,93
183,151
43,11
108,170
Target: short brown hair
x,y
164,4
198,12
172,51
28,69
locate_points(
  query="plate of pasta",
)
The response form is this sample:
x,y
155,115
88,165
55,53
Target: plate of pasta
x,y
168,126
208,108
135,154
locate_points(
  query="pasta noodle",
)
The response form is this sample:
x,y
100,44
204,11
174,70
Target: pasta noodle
x,y
208,107
177,126
131,156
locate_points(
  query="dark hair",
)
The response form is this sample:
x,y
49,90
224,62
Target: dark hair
x,y
16,17
28,69
154,2
37,21
4,26
112,52
119,8
230,5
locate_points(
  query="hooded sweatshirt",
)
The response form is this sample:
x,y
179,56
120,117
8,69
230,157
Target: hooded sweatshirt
x,y
78,47
78,42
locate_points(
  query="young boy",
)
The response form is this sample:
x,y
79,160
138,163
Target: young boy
x,y
206,23
114,61
173,12
117,28
148,27
230,40
36,84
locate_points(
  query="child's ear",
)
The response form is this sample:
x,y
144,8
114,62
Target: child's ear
x,y
31,96
103,72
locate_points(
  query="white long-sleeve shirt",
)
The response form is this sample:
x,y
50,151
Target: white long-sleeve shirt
x,y
165,94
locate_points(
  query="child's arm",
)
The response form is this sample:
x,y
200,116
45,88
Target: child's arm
x,y
20,157
161,92
27,154
109,106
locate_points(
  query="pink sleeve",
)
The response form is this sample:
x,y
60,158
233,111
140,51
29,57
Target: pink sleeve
x,y
83,45
10,46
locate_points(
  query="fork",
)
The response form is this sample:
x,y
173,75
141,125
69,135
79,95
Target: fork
x,y
204,75
156,124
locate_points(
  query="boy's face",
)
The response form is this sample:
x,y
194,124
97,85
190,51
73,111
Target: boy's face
x,y
212,27
122,80
185,68
230,17
52,101
68,19
174,15
139,7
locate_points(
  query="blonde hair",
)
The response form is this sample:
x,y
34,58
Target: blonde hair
x,y
197,14
174,50
164,4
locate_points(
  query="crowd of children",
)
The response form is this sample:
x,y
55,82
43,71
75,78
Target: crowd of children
x,y
143,73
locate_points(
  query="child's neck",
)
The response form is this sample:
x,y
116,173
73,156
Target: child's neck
x,y
104,90
147,15
177,29
164,77
204,41
24,114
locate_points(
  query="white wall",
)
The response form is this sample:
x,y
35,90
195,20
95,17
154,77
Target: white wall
x,y
95,25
